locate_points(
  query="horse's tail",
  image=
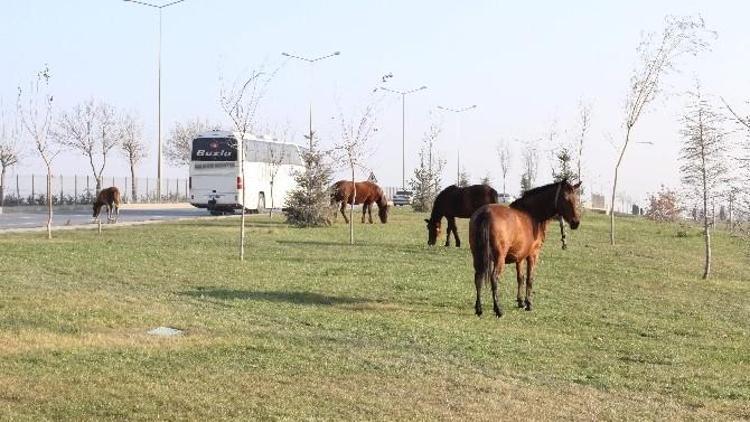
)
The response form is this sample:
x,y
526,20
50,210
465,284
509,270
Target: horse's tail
x,y
116,198
482,252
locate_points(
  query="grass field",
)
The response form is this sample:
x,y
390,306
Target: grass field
x,y
311,328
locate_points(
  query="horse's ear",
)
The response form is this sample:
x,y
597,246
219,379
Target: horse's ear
x,y
427,221
577,185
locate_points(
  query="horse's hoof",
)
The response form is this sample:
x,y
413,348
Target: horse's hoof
x,y
478,312
520,303
528,305
498,313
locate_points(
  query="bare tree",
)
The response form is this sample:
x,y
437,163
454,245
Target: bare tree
x,y
737,195
530,167
91,128
276,157
240,103
703,168
659,56
352,149
10,149
132,147
36,116
584,111
506,157
180,141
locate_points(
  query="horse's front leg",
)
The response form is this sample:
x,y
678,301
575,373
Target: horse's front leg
x,y
448,231
343,211
519,280
364,212
369,212
530,266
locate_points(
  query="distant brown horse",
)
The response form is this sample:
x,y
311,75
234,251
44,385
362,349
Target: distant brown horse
x,y
454,202
502,235
366,193
110,198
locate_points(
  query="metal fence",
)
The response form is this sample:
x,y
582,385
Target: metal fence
x,y
78,189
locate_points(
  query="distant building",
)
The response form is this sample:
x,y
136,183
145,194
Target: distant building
x,y
597,201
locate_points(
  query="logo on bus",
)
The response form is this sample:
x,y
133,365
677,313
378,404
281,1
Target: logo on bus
x,y
213,145
204,153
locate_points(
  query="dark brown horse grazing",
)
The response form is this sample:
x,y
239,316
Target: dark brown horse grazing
x,y
366,193
502,235
110,198
454,202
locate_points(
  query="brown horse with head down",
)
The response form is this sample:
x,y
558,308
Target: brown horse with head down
x,y
366,193
502,235
454,202
110,198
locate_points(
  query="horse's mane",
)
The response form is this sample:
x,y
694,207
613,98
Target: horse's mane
x,y
528,202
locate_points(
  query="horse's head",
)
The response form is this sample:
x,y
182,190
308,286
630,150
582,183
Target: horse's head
x,y
96,209
383,211
568,203
433,231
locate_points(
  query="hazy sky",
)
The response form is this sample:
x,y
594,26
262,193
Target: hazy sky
x,y
525,64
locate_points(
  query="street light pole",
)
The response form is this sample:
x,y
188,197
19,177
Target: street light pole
x,y
403,127
158,89
311,62
457,112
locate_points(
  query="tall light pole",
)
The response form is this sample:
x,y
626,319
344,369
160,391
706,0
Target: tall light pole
x,y
403,127
458,112
158,89
311,62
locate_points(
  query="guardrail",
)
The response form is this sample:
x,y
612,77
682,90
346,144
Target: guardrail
x,y
24,190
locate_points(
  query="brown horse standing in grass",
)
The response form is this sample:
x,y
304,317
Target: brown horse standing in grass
x,y
502,235
366,193
454,202
110,198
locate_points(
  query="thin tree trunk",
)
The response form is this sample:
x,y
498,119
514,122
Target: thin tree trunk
x,y
614,188
2,187
49,202
351,210
242,215
706,229
133,189
270,210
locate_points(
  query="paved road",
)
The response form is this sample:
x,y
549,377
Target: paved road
x,y
17,219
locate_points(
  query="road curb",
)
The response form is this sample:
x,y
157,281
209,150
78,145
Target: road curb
x,y
92,226
81,207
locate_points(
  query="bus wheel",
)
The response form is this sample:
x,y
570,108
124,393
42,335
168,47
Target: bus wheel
x,y
262,203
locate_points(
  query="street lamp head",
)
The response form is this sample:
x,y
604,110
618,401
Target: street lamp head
x,y
423,87
336,53
284,53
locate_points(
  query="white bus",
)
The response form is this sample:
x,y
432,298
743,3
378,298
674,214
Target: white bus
x,y
216,181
